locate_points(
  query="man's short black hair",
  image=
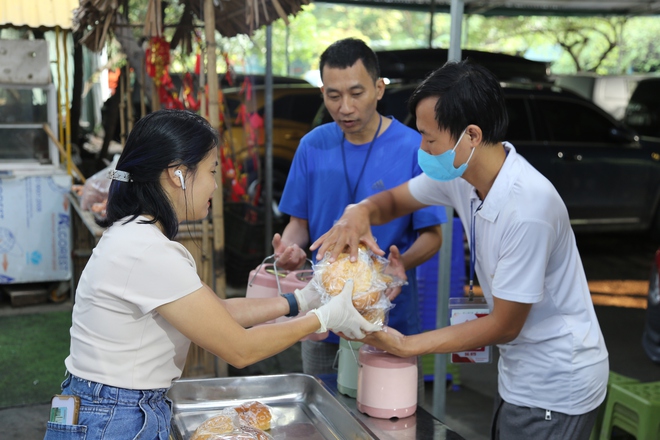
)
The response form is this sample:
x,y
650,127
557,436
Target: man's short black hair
x,y
467,93
342,54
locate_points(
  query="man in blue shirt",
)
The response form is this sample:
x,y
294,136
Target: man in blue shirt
x,y
343,162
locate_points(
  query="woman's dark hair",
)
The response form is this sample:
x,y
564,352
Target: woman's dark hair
x,y
342,54
160,140
467,94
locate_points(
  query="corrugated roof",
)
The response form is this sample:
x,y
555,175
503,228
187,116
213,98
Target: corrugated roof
x,y
37,13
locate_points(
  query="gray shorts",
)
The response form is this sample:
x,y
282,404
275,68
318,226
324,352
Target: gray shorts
x,y
511,422
319,358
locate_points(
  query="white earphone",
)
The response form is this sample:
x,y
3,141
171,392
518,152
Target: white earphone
x,y
180,174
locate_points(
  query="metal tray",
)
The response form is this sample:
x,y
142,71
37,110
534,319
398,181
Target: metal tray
x,y
302,407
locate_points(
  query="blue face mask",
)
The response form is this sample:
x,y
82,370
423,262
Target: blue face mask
x,y
441,167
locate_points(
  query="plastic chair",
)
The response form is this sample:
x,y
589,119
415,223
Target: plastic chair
x,y
613,378
634,408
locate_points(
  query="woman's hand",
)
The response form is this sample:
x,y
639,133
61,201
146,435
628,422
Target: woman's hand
x,y
308,298
340,316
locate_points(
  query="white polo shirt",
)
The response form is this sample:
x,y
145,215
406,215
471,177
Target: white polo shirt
x,y
117,336
526,252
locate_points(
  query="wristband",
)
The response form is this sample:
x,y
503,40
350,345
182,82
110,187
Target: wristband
x,y
293,304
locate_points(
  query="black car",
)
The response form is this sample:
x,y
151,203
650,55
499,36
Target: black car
x,y
412,65
643,110
608,176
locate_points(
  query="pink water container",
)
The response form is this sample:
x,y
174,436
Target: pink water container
x,y
387,384
263,283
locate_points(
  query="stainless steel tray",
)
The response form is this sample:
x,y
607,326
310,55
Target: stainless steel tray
x,y
302,407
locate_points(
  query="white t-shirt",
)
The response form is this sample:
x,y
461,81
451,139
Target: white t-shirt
x,y
117,337
526,252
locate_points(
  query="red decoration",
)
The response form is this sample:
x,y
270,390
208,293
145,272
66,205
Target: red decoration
x,y
158,58
188,93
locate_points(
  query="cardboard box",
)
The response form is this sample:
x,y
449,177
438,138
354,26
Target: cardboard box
x,y
35,229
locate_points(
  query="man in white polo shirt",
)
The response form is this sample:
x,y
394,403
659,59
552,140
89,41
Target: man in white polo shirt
x,y
553,366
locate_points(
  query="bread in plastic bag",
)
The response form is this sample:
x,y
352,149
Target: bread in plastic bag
x,y
226,421
242,433
254,414
247,421
369,282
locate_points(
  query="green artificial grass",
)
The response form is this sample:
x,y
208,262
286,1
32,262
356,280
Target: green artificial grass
x,y
32,352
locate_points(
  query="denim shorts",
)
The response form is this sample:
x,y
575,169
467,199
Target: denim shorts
x,y
114,413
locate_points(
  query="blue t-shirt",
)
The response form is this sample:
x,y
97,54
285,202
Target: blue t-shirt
x,y
316,190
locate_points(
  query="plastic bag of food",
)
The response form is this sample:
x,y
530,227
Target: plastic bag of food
x,y
225,422
254,414
369,282
247,421
95,191
243,433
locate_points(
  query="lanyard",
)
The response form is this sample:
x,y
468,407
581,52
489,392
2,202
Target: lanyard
x,y
473,257
353,192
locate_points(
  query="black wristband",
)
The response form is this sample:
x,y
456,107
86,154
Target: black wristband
x,y
293,304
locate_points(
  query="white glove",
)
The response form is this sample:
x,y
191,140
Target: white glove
x,y
340,316
308,298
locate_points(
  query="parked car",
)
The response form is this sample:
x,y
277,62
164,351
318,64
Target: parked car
x,y
608,177
412,65
609,92
643,110
651,336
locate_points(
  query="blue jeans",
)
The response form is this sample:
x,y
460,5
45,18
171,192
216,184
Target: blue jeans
x,y
114,413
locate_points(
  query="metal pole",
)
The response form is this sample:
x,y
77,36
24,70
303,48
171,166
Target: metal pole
x,y
444,269
432,11
444,283
268,126
456,11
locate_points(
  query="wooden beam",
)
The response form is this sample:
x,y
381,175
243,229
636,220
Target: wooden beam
x,y
220,285
59,146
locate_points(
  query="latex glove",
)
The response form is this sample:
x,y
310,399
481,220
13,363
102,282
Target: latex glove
x,y
308,298
340,316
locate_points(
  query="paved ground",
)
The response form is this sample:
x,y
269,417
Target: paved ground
x,y
468,410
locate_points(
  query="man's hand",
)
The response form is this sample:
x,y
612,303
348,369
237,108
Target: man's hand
x,y
349,231
288,257
397,269
389,340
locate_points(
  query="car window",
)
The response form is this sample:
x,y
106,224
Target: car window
x,y
644,118
520,128
643,111
572,121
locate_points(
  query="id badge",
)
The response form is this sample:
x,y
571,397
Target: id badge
x,y
463,310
